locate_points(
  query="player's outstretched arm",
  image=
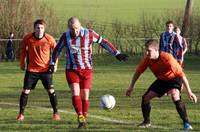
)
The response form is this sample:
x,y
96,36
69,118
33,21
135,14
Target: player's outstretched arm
x,y
191,95
133,81
122,57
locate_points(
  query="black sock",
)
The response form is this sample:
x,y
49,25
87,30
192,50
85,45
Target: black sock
x,y
53,100
180,107
146,109
23,102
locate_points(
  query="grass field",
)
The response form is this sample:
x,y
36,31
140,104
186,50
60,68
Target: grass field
x,y
110,77
107,11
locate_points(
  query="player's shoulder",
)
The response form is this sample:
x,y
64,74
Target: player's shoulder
x,y
64,34
28,35
90,30
164,33
174,33
85,30
165,56
49,37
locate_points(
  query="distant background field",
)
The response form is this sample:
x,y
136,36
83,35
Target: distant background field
x,y
107,11
110,77
126,24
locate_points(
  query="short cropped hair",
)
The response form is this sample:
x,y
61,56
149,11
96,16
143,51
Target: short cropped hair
x,y
176,27
72,20
169,22
39,21
152,42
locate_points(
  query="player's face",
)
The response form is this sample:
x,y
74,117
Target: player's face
x,y
170,27
12,35
152,52
39,30
178,31
75,29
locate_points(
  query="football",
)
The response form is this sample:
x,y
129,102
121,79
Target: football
x,y
107,102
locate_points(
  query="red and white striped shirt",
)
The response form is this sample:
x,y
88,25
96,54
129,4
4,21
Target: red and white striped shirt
x,y
79,49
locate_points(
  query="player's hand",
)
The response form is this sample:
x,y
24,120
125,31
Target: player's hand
x,y
193,97
121,57
129,91
55,68
51,69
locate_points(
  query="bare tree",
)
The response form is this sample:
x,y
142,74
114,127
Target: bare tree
x,y
17,16
187,16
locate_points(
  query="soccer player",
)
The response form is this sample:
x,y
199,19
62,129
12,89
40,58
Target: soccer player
x,y
169,40
78,42
36,49
182,47
169,74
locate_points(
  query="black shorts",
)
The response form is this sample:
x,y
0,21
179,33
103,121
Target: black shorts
x,y
161,86
31,79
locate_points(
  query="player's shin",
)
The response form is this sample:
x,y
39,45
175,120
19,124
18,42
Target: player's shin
x,y
85,106
77,103
53,101
146,109
181,109
23,102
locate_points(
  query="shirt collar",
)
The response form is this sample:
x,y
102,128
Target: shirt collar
x,y
168,33
82,32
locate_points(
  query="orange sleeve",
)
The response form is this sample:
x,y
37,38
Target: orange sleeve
x,y
23,51
142,66
53,42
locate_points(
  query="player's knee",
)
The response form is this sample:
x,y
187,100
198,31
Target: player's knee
x,y
175,96
145,99
85,94
51,90
26,91
85,97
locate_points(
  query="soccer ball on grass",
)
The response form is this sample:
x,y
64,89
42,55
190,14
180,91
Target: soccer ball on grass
x,y
107,102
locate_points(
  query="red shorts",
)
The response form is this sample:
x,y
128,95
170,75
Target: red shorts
x,y
81,76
